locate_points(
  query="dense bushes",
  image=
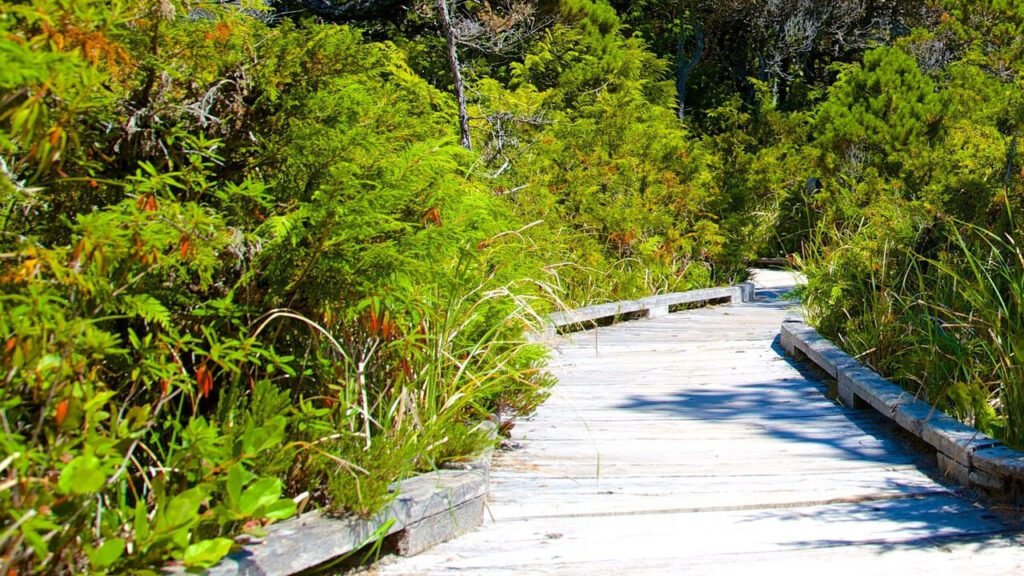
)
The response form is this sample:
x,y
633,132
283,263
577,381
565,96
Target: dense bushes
x,y
911,245
229,279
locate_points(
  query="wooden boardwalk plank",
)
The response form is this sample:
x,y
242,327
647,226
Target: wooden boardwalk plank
x,y
689,443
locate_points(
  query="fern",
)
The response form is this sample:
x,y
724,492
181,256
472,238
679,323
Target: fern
x,y
147,308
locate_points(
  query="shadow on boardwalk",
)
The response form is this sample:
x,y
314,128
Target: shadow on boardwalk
x,y
800,411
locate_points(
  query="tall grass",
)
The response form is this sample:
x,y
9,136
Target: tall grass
x,y
416,400
980,301
947,322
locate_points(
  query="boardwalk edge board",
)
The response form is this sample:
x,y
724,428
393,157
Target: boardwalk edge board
x,y
429,509
964,454
650,307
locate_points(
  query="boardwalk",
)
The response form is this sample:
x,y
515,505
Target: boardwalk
x,y
689,444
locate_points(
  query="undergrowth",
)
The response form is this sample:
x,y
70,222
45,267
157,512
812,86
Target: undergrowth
x,y
945,325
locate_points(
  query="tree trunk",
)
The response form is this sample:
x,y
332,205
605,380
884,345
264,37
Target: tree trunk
x,y
1011,161
686,66
453,62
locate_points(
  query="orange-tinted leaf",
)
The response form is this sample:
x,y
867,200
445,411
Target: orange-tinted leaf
x,y
76,255
222,32
23,273
62,412
432,215
184,245
374,322
12,342
204,380
147,203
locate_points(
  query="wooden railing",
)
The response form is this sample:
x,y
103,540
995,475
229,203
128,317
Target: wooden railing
x,y
430,508
650,307
963,454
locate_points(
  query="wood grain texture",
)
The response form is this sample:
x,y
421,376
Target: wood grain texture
x,y
690,444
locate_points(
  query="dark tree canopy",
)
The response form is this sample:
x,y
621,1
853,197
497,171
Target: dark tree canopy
x,y
340,11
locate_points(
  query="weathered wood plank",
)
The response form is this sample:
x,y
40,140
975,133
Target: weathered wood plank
x,y
684,539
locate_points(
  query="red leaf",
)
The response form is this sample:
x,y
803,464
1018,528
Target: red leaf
x,y
374,322
184,245
62,412
76,255
387,329
204,380
432,215
147,203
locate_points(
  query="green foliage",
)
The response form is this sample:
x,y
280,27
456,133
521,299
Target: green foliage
x,y
588,56
911,253
624,173
626,201
945,324
880,119
262,275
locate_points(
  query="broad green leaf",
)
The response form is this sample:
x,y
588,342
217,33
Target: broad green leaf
x,y
261,494
265,437
206,553
137,417
98,399
182,510
141,522
36,541
282,509
108,553
83,475
238,477
49,362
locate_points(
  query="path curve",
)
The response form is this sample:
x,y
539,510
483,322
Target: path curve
x,y
690,444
